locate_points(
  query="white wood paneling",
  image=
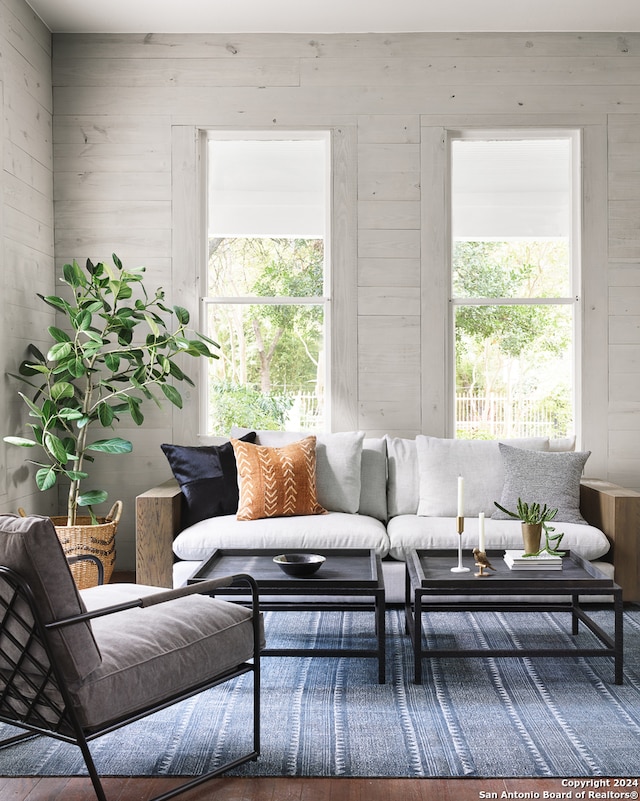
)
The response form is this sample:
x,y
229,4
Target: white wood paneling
x,y
119,99
26,228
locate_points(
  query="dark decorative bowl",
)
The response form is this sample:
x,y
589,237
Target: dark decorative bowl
x,y
299,564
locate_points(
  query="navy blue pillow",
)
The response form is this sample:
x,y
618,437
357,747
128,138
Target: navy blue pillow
x,y
208,478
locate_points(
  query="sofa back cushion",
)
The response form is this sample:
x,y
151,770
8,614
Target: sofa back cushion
x,y
402,476
338,464
373,478
424,473
479,462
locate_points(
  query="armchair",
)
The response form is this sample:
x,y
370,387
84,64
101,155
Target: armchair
x,y
74,670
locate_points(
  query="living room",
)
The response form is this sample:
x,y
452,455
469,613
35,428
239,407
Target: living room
x,y
100,140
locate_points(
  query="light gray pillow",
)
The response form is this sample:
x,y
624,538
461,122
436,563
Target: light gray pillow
x,y
552,478
373,479
441,461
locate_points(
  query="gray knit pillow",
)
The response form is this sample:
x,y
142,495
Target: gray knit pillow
x,y
551,478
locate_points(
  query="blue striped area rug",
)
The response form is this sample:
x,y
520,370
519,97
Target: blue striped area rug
x,y
473,717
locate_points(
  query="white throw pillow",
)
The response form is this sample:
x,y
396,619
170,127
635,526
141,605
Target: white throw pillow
x,y
441,461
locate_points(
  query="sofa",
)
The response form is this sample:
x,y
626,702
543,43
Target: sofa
x,y
386,493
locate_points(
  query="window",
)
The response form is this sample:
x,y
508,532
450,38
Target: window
x,y
515,274
267,290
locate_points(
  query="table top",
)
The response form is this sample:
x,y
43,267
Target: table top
x,y
344,569
431,568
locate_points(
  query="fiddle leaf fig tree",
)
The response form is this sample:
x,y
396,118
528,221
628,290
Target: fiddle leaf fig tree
x,y
110,354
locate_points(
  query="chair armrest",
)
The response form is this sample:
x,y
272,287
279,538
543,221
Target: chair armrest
x,y
616,511
89,557
158,522
162,597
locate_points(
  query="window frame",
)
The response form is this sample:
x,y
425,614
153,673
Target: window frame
x,y
188,263
573,134
592,348
324,300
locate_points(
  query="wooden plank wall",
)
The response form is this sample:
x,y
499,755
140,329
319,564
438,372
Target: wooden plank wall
x,y
116,98
26,227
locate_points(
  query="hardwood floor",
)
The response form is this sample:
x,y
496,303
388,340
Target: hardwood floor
x,y
282,789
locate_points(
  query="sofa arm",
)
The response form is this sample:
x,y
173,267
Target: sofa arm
x,y
158,512
616,511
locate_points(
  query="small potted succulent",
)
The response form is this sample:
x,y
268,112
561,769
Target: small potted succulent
x,y
108,354
535,519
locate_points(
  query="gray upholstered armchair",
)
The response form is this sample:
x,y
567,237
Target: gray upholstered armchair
x,y
75,665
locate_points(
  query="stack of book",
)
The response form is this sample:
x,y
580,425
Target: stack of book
x,y
516,560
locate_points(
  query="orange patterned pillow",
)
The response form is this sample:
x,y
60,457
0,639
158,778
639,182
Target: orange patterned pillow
x,y
277,482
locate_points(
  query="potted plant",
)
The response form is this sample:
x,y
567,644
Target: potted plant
x,y
110,351
535,519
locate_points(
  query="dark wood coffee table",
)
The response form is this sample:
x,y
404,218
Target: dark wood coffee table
x,y
428,575
349,574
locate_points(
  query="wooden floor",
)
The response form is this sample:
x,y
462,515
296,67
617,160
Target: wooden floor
x,y
281,789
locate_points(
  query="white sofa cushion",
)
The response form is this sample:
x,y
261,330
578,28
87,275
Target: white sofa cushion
x,y
373,479
402,480
441,461
338,464
333,530
410,531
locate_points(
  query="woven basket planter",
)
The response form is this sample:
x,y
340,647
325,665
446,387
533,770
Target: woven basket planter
x,y
97,540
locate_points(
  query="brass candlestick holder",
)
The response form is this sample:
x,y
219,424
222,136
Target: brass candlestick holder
x,y
460,527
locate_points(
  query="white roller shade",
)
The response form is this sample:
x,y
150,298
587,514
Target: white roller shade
x,y
267,188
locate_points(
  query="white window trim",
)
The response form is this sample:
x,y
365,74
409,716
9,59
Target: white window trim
x,y
592,335
189,221
323,300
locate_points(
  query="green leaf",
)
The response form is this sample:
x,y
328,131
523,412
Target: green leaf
x,y
182,314
152,324
112,360
55,447
83,320
70,414
36,411
21,441
77,367
116,261
173,395
76,475
73,275
59,351
29,369
46,478
134,410
105,414
92,497
63,389
113,445
58,334
124,291
58,303
208,339
197,348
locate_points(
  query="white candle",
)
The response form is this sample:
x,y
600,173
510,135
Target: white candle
x,y
481,532
460,496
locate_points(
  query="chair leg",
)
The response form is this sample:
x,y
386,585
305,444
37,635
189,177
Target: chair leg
x,y
93,773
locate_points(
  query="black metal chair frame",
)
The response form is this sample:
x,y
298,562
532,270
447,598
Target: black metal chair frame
x,y
45,707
